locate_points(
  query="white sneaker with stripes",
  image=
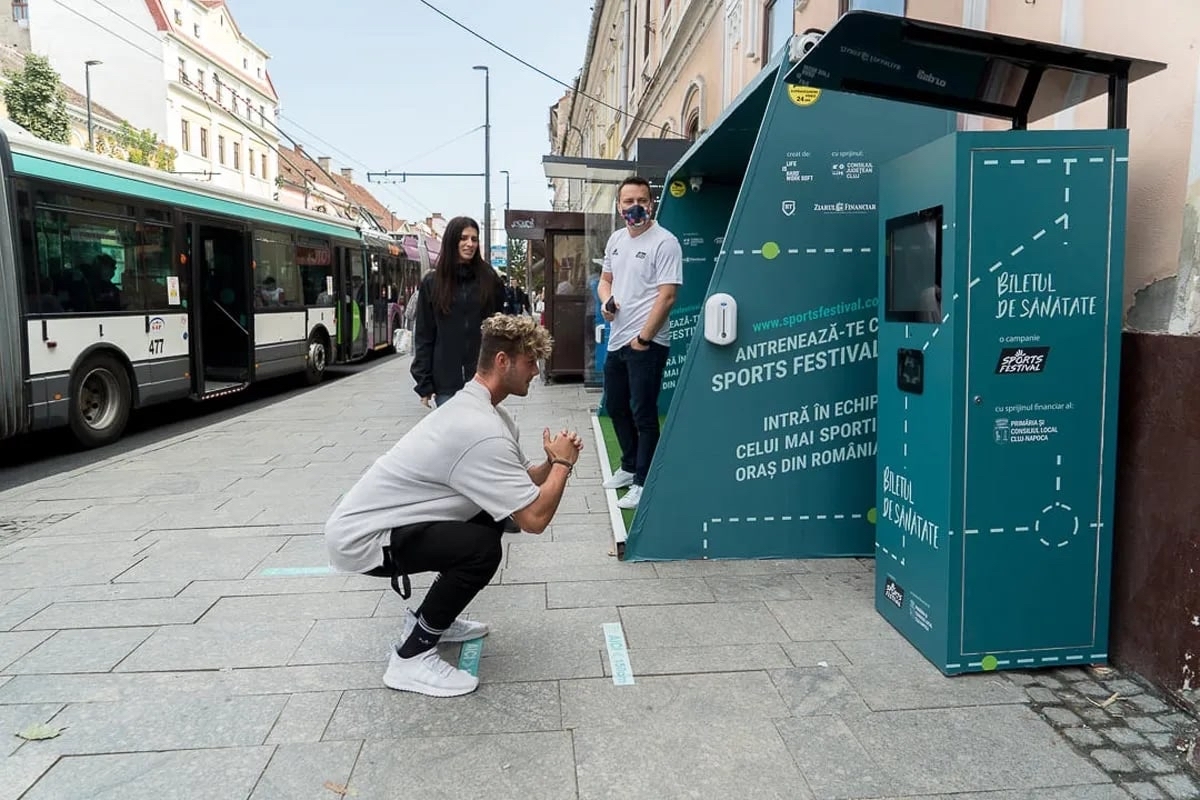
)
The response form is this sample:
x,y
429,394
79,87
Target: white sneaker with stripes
x,y
461,630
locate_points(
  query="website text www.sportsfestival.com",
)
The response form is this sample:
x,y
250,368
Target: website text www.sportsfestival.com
x,y
815,314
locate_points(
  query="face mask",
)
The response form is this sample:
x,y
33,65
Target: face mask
x,y
636,215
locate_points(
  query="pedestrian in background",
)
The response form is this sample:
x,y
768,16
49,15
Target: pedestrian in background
x,y
452,302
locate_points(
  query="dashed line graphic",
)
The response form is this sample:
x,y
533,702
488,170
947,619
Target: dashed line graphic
x,y
1055,516
869,516
770,250
1067,162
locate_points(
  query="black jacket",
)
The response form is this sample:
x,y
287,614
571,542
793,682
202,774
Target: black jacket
x,y
446,346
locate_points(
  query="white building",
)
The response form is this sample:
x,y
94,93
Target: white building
x,y
181,68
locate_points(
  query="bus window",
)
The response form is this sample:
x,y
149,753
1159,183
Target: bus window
x,y
315,258
155,264
85,261
276,276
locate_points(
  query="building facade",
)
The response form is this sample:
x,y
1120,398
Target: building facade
x,y
659,69
181,68
220,105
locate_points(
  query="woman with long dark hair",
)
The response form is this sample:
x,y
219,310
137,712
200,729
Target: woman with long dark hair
x,y
453,301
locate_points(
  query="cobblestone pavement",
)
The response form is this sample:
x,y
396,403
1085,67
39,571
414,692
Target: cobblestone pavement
x,y
167,610
1123,725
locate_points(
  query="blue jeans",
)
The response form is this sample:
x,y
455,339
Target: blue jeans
x,y
442,397
632,382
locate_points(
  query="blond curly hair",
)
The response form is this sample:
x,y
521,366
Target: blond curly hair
x,y
514,334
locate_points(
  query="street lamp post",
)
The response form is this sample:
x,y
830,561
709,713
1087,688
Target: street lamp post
x,y
507,249
487,162
87,77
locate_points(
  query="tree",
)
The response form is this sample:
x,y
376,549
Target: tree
x,y
138,147
36,100
516,259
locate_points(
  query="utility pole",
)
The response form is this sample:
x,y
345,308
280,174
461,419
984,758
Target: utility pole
x,y
487,163
87,77
507,249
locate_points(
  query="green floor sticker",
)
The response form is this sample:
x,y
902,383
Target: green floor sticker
x,y
618,654
298,571
468,657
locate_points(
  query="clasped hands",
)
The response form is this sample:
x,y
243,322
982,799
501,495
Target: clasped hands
x,y
565,445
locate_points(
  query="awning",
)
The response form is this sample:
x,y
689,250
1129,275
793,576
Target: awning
x,y
593,170
965,70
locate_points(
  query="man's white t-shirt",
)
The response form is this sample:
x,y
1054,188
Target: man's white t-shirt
x,y
459,460
639,265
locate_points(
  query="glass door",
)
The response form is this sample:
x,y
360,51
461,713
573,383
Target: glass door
x,y
569,274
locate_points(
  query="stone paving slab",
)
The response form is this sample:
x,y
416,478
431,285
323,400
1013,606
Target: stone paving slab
x,y
493,708
537,766
723,757
197,774
301,772
218,645
291,607
171,722
80,651
115,613
139,609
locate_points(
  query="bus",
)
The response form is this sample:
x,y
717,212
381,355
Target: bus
x,y
393,277
122,286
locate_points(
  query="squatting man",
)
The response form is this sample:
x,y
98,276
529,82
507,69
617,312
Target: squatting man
x,y
438,499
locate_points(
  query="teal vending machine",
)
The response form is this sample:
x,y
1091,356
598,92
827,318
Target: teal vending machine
x,y
1000,279
999,351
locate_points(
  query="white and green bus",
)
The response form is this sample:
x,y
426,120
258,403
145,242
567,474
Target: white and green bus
x,y
123,286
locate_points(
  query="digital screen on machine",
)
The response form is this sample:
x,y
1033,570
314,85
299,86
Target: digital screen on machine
x,y
914,267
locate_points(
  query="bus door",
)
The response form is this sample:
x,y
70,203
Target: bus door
x,y
222,313
352,311
377,304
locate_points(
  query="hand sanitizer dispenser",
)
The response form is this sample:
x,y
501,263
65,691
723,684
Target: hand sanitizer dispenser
x,y
720,319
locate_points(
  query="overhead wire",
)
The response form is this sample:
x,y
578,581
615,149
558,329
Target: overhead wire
x,y
204,94
397,190
445,144
81,15
540,71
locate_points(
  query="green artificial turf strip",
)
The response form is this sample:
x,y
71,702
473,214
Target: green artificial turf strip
x,y
614,459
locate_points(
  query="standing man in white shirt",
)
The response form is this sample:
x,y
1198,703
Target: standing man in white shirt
x,y
642,273
437,502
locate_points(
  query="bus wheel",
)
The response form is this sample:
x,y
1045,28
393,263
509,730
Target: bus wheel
x,y
100,401
317,360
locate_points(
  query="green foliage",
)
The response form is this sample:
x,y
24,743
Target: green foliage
x,y
138,147
516,259
36,101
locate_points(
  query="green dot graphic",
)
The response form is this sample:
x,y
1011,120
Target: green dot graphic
x,y
770,250
988,663
872,516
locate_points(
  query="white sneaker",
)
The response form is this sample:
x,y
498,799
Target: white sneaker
x,y
631,498
461,630
428,673
619,480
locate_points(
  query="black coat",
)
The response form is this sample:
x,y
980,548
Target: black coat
x,y
446,346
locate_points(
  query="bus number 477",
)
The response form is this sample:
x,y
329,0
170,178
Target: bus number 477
x,y
156,347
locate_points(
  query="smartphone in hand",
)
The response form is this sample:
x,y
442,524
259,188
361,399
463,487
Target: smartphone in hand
x,y
611,305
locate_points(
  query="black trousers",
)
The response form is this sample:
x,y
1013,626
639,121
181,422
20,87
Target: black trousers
x,y
465,554
632,383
